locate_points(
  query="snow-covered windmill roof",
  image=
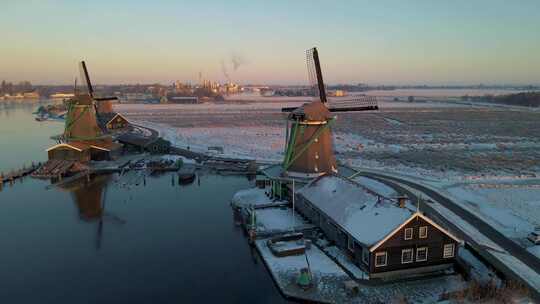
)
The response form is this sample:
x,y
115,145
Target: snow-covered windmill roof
x,y
355,208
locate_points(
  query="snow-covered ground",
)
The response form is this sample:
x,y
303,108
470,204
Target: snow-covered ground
x,y
520,269
513,207
487,159
535,250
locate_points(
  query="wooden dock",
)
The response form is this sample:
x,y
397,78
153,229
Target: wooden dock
x,y
56,168
16,174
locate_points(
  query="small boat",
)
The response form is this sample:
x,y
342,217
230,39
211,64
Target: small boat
x,y
186,176
42,117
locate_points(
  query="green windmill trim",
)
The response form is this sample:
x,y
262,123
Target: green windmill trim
x,y
290,145
287,164
70,122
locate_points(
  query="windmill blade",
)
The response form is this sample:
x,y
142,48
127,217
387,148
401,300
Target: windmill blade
x,y
315,73
360,103
84,75
106,98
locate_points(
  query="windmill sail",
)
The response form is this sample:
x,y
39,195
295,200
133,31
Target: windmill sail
x,y
358,103
84,76
315,74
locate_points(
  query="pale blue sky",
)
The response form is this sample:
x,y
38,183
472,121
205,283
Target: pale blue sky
x,y
400,42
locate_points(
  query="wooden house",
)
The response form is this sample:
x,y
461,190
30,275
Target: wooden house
x,y
387,239
84,151
138,143
111,121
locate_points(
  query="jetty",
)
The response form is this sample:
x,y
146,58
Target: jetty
x,y
16,174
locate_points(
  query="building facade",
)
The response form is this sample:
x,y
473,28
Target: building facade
x,y
384,238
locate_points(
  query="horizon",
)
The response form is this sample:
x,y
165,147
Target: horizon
x,y
418,43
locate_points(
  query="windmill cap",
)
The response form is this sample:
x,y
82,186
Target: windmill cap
x,y
315,111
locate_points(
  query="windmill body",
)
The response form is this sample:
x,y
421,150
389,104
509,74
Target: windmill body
x,y
81,121
309,151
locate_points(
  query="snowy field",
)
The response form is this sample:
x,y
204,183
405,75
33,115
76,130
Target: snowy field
x,y
486,157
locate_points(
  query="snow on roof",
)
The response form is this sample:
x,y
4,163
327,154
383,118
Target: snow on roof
x,y
356,210
376,186
252,196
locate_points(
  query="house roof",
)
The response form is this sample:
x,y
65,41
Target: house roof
x,y
415,215
312,111
116,115
136,140
78,146
85,145
356,209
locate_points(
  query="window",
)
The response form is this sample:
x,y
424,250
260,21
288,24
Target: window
x,y
380,259
406,256
350,243
421,254
448,251
423,232
365,256
408,233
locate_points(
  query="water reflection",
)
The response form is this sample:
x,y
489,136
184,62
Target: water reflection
x,y
90,197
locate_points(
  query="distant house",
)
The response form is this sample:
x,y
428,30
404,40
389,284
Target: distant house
x,y
138,143
171,98
112,121
385,238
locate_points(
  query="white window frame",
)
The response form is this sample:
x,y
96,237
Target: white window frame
x,y
350,241
425,230
365,256
420,249
403,252
411,232
378,254
450,246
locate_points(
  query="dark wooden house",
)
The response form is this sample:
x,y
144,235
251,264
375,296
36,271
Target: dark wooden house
x,y
138,143
112,121
385,238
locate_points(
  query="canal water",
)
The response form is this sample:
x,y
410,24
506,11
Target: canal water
x,y
119,239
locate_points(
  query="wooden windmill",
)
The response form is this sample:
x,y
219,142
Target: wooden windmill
x,y
83,110
309,150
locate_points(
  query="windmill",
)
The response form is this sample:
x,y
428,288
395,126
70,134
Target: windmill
x,y
102,104
83,110
309,151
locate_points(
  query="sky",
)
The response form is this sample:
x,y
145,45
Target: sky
x,y
375,42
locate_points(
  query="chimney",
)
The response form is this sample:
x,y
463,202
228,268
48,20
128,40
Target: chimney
x,y
402,200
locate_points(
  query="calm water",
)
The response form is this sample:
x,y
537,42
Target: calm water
x,y
116,240
22,138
